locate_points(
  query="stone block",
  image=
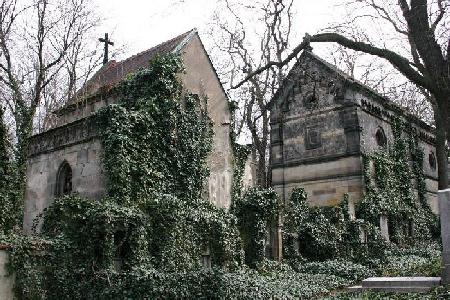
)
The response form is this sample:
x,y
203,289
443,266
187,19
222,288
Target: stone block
x,y
384,228
6,280
401,284
444,209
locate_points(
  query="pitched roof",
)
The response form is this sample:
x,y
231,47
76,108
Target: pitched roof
x,y
113,72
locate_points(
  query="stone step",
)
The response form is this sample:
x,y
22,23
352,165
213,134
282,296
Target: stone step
x,y
355,288
398,284
401,282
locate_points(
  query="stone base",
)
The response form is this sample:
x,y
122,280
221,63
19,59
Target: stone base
x,y
444,210
397,284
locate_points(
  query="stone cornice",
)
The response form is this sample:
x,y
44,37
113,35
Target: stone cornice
x,y
426,134
70,134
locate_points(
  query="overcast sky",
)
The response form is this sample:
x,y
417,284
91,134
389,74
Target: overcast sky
x,y
141,24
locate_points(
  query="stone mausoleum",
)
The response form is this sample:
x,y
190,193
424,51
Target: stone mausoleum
x,y
67,158
322,121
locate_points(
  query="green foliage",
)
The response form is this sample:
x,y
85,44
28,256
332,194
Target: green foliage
x,y
420,260
183,230
342,268
390,190
240,153
156,139
316,231
256,212
320,233
10,214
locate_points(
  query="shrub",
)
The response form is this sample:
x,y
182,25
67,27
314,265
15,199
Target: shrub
x,y
338,267
256,212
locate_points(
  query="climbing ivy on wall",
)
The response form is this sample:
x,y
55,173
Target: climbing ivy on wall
x,y
256,211
321,233
241,153
156,139
389,177
9,196
155,143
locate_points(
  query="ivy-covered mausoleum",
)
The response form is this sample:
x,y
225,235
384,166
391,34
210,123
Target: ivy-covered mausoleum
x,y
67,158
324,125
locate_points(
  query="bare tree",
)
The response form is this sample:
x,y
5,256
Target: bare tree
x,y
421,53
384,79
247,51
39,39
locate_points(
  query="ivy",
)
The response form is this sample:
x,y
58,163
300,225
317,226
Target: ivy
x,y
156,139
322,233
147,237
240,153
256,212
11,207
389,175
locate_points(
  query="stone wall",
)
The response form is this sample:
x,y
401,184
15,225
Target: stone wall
x,y
200,78
83,156
321,123
75,141
314,136
6,281
373,115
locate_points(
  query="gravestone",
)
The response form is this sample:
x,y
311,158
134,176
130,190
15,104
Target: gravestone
x,y
351,209
444,209
384,228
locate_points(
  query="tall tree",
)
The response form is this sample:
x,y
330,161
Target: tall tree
x,y
250,36
422,28
37,39
383,78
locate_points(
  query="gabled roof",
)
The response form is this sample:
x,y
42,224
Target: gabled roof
x,y
285,87
113,72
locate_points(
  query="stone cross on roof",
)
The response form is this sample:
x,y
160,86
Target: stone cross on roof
x,y
107,42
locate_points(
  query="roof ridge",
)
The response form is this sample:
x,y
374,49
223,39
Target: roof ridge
x,y
156,46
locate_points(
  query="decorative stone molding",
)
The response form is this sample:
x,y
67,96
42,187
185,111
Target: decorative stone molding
x,y
63,136
385,114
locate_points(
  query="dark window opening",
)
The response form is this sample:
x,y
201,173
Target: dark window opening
x,y
206,258
432,160
64,180
122,251
380,137
313,138
311,101
410,228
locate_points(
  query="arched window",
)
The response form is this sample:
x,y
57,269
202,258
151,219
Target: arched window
x,y
380,137
64,180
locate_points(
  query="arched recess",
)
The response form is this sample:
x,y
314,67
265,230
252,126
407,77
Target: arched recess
x,y
64,180
380,137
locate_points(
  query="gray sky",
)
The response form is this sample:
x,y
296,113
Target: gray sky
x,y
141,24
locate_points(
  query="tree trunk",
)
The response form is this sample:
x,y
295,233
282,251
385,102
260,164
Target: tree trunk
x,y
441,119
261,172
24,132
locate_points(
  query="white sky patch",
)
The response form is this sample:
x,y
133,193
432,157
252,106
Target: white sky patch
x,y
140,24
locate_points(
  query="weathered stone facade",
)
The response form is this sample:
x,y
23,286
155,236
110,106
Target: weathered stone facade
x,y
322,121
6,280
75,141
